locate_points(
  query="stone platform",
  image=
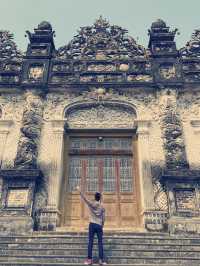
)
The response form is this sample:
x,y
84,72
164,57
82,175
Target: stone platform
x,y
120,249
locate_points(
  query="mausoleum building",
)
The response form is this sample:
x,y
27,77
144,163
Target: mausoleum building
x,y
105,113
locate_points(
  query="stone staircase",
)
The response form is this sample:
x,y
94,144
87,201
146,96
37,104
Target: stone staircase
x,y
120,249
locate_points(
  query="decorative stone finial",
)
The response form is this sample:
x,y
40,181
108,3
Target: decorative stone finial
x,y
161,41
159,23
101,23
44,25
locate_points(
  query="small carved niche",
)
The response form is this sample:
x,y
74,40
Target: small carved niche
x,y
39,50
36,72
167,71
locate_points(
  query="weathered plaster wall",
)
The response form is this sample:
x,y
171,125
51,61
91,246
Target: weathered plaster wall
x,y
12,109
11,106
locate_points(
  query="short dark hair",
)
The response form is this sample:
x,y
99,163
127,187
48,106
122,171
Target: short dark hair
x,y
97,196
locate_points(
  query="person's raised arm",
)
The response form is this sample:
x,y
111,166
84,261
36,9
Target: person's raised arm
x,y
84,198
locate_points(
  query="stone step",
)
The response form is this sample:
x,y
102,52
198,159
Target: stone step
x,y
106,232
114,260
76,264
109,253
120,249
115,240
75,245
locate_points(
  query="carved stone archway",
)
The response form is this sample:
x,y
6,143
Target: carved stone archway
x,y
110,115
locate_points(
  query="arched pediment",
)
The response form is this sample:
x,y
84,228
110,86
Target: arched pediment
x,y
109,114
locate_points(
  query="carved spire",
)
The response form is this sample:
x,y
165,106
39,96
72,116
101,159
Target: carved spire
x,y
161,41
192,48
8,48
43,34
101,41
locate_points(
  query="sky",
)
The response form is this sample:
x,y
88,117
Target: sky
x,y
66,16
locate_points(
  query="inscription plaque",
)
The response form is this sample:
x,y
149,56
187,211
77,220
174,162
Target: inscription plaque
x,y
185,199
17,197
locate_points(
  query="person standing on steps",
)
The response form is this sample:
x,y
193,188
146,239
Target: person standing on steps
x,y
97,219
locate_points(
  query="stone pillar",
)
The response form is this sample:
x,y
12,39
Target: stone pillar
x,y
57,163
49,217
146,185
5,126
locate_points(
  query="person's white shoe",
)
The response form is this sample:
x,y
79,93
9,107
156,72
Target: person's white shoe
x,y
102,262
88,262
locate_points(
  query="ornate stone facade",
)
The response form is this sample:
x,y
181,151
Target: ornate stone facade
x,y
102,81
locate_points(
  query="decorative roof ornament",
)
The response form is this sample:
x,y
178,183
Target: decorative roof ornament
x,y
101,23
45,25
159,23
101,41
42,34
192,48
161,41
8,48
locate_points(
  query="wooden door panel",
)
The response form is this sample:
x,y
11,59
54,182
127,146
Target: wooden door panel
x,y
108,169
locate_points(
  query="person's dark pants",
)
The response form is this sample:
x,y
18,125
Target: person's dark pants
x,y
95,228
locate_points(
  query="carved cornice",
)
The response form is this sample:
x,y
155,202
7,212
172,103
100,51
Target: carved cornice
x,y
58,126
143,126
196,125
5,125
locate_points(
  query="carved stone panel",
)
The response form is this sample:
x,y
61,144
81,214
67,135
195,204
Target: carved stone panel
x,y
185,199
167,71
17,197
101,116
36,72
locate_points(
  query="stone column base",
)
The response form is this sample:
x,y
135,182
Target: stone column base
x,y
184,225
156,221
16,225
47,219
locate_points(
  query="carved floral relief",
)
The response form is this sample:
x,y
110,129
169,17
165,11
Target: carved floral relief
x,y
101,117
167,71
36,73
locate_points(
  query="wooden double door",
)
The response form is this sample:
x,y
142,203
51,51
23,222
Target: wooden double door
x,y
107,164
